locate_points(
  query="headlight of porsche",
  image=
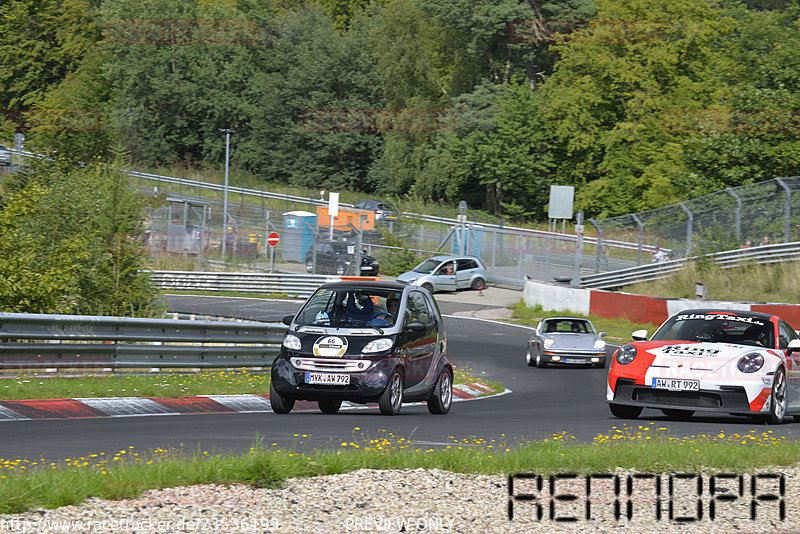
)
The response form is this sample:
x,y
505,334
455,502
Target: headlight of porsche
x,y
378,345
599,344
291,342
626,354
549,342
750,363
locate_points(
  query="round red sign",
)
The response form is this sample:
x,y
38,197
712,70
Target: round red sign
x,y
273,239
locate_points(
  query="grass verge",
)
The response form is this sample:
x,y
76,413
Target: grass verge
x,y
27,484
33,385
756,283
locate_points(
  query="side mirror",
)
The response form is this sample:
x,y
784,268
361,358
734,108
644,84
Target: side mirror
x,y
416,326
604,334
287,320
640,335
794,346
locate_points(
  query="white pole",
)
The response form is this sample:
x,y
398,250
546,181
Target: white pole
x,y
227,132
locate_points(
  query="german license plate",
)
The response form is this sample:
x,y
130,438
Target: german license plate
x,y
676,384
327,379
574,360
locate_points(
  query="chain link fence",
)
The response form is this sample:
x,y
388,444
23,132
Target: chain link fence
x,y
763,213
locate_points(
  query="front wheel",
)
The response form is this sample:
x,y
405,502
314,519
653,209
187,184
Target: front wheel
x,y
442,396
309,265
529,359
429,287
279,403
625,412
777,404
340,269
478,283
392,397
329,405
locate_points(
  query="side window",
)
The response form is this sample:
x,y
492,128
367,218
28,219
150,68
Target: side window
x,y
785,334
463,265
447,268
417,308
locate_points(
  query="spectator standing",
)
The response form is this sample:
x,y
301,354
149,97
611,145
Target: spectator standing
x,y
658,255
764,241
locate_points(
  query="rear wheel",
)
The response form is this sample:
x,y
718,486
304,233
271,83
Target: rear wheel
x,y
442,396
625,412
429,287
675,413
329,405
279,403
309,265
392,397
478,283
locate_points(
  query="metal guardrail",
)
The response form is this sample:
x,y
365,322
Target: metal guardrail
x,y
293,285
69,341
762,255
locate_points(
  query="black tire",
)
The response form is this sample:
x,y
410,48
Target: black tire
x,y
478,283
778,402
329,405
442,396
675,413
429,287
341,269
625,412
279,403
309,265
601,364
392,397
529,359
540,363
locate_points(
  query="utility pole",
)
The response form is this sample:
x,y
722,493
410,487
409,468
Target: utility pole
x,y
227,132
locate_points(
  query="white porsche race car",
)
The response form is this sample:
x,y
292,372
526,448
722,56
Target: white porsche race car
x,y
735,362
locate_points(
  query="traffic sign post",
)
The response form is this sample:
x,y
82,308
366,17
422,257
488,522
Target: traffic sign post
x,y
272,240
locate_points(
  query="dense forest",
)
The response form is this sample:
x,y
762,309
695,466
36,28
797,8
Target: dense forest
x,y
637,103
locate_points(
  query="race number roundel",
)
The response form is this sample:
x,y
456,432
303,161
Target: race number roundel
x,y
330,346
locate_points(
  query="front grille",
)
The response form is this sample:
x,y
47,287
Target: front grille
x,y
677,398
329,365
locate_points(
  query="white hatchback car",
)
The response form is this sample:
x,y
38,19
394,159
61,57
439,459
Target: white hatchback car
x,y
447,273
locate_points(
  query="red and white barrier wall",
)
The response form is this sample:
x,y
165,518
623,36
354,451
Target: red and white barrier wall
x,y
640,308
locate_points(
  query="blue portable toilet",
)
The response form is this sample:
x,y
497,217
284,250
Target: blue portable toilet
x,y
474,238
298,234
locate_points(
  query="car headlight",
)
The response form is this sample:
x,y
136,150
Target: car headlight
x,y
599,344
626,354
549,342
750,363
291,342
412,280
378,345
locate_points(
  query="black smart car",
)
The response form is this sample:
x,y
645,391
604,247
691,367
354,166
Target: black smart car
x,y
337,257
364,342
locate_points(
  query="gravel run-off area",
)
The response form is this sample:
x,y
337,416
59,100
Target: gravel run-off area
x,y
440,501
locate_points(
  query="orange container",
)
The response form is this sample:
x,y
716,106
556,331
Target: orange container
x,y
346,216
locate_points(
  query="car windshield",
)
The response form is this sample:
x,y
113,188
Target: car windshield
x,y
427,266
566,326
351,308
717,328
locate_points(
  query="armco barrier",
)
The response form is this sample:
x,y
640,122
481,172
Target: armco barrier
x,y
68,341
293,285
640,308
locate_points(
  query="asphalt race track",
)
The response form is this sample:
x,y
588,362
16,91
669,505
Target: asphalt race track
x,y
542,402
